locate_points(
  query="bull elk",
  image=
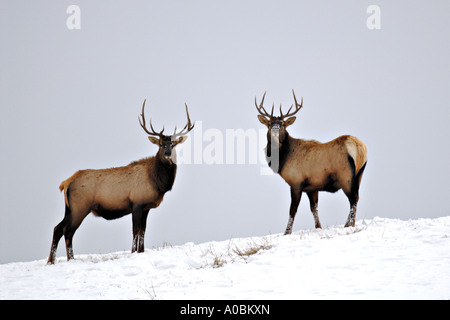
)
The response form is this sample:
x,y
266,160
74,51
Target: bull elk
x,y
310,166
115,192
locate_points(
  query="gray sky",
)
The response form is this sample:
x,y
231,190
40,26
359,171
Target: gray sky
x,y
70,100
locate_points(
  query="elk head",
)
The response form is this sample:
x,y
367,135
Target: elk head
x,y
166,143
277,125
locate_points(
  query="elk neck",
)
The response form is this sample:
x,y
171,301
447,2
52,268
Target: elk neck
x,y
165,174
283,150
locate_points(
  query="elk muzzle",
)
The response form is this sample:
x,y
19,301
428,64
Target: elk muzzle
x,y
275,133
168,154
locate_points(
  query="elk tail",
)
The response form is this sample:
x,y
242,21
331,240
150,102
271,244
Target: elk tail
x,y
357,159
357,151
65,186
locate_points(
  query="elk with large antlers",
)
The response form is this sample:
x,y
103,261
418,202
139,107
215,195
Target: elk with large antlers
x,y
310,166
115,192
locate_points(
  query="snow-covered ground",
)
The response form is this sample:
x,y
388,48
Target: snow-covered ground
x,y
378,259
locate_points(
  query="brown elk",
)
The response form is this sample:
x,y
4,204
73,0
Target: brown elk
x,y
310,166
115,192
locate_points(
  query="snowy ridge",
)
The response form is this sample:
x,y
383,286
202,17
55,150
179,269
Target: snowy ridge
x,y
377,259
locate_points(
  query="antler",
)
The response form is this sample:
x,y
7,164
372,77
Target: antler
x,y
297,107
153,132
188,127
261,109
264,112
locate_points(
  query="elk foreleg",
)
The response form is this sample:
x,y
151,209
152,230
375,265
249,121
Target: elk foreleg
x,y
296,195
314,204
139,216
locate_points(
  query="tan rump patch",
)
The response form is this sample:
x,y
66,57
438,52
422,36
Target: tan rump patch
x,y
351,149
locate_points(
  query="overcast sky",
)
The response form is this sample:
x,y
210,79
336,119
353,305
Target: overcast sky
x,y
70,100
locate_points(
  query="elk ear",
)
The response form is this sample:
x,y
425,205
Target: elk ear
x,y
263,120
154,140
289,121
180,140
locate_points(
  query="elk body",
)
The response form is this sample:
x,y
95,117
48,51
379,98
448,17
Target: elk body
x,y
310,166
115,192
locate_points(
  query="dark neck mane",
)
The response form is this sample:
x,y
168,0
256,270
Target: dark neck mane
x,y
164,175
283,153
159,171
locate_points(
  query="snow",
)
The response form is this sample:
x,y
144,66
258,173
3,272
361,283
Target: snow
x,y
377,259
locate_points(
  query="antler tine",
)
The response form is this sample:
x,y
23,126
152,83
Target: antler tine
x,y
154,131
264,96
260,108
295,99
188,118
188,127
297,107
289,109
142,123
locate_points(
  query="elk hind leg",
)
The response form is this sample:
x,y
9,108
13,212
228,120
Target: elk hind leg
x,y
296,195
352,215
66,227
353,195
58,232
68,236
72,226
353,199
313,203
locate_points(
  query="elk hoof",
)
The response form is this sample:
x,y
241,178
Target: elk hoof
x,y
349,224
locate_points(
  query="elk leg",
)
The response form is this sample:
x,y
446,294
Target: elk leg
x,y
134,244
142,230
135,234
70,228
353,198
58,232
63,228
314,203
351,216
139,217
68,235
296,195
